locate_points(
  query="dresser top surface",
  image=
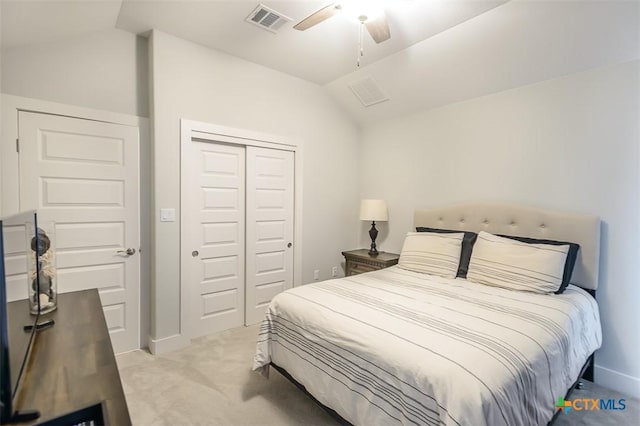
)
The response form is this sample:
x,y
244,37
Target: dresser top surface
x,y
72,364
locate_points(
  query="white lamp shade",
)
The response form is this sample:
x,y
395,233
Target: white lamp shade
x,y
374,210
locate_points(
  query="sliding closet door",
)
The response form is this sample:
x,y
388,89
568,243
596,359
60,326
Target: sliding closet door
x,y
269,243
214,221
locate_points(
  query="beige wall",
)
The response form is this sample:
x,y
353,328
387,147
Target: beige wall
x,y
196,83
570,144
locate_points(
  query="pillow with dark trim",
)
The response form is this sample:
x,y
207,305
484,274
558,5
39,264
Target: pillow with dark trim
x,y
515,265
467,246
572,255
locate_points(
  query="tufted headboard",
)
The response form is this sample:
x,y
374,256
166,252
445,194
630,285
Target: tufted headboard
x,y
525,221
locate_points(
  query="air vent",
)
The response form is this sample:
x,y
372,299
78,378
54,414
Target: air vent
x,y
267,19
368,92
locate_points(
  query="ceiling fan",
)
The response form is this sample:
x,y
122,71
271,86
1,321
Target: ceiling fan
x,y
376,24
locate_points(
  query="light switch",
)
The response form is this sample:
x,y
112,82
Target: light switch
x,y
167,215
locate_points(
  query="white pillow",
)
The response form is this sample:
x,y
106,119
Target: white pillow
x,y
431,253
503,262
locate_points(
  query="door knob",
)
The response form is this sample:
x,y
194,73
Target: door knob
x,y
128,252
289,245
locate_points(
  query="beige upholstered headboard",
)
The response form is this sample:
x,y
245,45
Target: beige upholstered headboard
x,y
526,222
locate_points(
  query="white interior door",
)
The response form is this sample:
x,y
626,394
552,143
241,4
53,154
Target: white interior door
x,y
83,176
213,222
269,215
16,249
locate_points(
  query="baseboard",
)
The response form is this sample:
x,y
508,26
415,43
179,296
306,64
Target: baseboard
x,y
617,381
167,344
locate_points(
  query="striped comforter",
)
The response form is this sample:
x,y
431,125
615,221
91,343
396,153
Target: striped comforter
x,y
395,346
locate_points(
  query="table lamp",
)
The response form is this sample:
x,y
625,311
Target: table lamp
x,y
373,210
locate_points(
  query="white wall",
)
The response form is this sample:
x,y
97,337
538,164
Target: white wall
x,y
512,45
192,82
105,70
571,144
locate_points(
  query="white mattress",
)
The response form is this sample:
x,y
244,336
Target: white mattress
x,y
395,346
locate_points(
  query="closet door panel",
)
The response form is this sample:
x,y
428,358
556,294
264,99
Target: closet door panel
x,y
269,207
214,255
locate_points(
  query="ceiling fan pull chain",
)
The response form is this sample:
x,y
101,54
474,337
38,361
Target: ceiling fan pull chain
x,y
359,46
360,40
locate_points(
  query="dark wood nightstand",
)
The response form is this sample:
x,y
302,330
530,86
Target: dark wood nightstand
x,y
359,261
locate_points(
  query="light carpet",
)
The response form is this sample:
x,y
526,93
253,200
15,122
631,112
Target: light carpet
x,y
211,383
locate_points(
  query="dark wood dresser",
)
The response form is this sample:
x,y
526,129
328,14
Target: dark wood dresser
x,y
359,261
72,364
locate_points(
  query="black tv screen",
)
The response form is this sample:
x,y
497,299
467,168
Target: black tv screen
x,y
16,260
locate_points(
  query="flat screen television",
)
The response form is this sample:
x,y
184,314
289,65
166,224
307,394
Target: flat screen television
x,y
17,324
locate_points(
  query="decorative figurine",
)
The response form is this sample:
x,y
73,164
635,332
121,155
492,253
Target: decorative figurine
x,y
44,300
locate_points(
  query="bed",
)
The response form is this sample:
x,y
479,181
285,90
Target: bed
x,y
400,346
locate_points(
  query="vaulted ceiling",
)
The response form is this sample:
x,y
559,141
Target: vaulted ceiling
x,y
440,51
320,54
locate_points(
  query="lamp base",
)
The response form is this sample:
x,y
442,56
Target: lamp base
x,y
373,234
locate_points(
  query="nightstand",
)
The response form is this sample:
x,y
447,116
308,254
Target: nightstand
x,y
359,261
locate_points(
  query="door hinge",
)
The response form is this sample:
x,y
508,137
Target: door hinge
x,y
17,145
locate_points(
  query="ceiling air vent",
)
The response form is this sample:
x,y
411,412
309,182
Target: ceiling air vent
x,y
368,92
267,18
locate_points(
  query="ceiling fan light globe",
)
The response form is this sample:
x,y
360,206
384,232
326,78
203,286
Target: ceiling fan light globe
x,y
356,9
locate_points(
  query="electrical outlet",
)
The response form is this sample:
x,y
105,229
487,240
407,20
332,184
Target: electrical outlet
x,y
316,274
334,271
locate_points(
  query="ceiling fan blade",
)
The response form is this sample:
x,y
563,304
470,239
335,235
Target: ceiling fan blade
x,y
378,28
317,17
